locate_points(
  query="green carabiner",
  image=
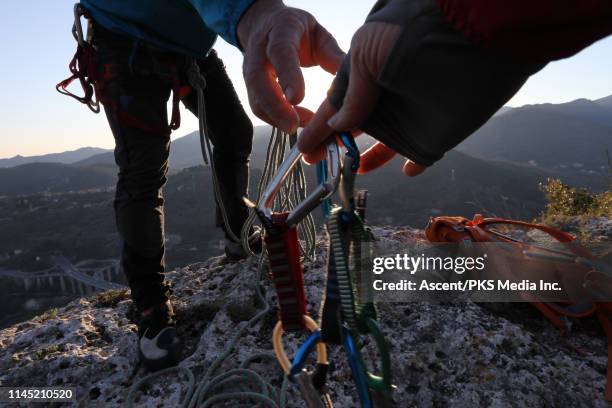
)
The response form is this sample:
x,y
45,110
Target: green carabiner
x,y
381,383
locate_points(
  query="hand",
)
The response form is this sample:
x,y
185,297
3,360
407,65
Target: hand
x,y
277,40
370,47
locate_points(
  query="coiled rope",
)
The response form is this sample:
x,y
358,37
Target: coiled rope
x,y
212,389
293,191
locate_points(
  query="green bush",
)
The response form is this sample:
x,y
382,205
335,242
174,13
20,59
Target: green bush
x,y
565,201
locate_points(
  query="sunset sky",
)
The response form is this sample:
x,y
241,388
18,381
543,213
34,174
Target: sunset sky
x,y
36,47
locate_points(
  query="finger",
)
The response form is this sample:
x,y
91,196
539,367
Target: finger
x,y
315,156
283,53
304,114
360,99
327,53
317,130
265,95
411,169
375,157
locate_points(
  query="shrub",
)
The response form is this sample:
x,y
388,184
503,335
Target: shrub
x,y
565,201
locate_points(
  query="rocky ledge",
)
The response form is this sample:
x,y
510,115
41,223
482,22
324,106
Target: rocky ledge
x,y
458,355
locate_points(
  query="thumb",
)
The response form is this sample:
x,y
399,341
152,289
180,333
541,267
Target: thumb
x,y
359,101
370,48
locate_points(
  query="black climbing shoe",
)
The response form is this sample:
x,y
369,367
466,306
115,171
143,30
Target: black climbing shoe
x,y
159,344
235,252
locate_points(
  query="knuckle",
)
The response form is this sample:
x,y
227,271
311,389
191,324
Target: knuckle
x,y
280,50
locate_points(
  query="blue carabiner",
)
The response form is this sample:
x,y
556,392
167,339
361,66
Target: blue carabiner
x,y
322,178
357,369
303,352
352,150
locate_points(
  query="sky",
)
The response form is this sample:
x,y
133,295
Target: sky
x,y
36,46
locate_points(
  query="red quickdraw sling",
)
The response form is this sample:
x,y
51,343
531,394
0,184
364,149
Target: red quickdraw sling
x,y
287,274
460,229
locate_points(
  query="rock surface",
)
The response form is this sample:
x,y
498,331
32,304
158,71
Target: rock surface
x,y
456,355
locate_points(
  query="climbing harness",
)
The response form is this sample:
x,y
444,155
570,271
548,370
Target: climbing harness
x,y
571,260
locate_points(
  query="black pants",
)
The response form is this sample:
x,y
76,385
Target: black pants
x,y
136,81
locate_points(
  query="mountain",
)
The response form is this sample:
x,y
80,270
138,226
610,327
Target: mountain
x,y
606,101
185,151
458,184
570,138
54,178
67,157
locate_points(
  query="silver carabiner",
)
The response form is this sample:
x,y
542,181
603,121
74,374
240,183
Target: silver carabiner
x,y
315,198
308,392
77,28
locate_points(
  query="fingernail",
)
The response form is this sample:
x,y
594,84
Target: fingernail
x,y
333,121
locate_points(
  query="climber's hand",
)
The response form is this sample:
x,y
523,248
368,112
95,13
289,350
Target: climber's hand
x,y
373,158
370,48
277,40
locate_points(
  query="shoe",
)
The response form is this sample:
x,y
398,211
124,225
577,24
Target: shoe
x,y
159,345
235,252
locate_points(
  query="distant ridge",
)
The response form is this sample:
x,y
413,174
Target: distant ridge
x,y
67,157
606,101
570,138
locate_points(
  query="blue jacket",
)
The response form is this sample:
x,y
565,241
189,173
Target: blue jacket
x,y
185,26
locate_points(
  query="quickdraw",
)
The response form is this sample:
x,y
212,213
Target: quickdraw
x,y
82,66
350,241
286,269
348,296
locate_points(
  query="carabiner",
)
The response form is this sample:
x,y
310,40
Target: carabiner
x,y
381,383
352,150
77,28
357,369
321,179
303,352
315,198
295,371
311,384
279,349
349,173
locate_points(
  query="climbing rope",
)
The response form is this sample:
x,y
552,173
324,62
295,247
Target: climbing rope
x,y
209,390
292,191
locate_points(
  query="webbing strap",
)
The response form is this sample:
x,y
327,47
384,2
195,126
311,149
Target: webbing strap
x,y
331,317
361,199
284,257
339,247
354,291
82,67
